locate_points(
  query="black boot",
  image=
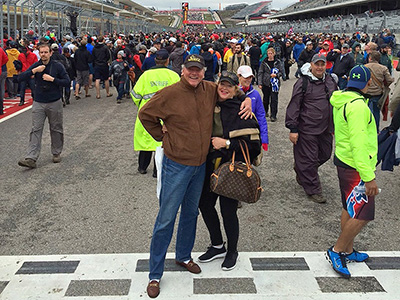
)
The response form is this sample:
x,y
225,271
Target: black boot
x,y
21,103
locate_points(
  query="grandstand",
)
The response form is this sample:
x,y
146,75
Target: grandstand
x,y
253,11
75,17
308,9
236,6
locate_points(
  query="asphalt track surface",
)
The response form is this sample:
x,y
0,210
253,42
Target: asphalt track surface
x,y
95,201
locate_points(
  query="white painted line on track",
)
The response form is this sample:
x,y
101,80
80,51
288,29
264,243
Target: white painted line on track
x,y
15,114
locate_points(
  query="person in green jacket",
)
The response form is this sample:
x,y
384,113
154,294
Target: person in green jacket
x,y
151,81
357,54
355,158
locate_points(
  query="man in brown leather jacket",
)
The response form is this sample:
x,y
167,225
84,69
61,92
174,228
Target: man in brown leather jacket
x,y
186,109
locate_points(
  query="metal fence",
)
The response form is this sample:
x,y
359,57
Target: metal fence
x,y
368,22
19,16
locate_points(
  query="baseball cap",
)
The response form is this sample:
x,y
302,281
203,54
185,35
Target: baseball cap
x,y
309,43
359,77
345,46
194,60
245,71
235,41
54,46
68,37
172,39
121,52
142,47
153,49
318,57
229,77
326,43
162,54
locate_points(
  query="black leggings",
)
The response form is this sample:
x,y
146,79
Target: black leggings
x,y
270,98
145,159
210,216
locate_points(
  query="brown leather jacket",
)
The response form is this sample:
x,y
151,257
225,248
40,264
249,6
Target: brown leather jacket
x,y
382,75
187,113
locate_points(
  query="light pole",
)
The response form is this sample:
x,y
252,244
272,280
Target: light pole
x,y
101,24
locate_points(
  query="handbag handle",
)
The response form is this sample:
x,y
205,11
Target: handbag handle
x,y
232,165
246,156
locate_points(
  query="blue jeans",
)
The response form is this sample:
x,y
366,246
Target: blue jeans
x,y
120,90
373,106
181,187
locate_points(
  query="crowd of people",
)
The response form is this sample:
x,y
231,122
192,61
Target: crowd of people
x,y
196,92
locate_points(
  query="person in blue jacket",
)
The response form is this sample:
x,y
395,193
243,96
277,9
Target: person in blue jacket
x,y
297,49
246,75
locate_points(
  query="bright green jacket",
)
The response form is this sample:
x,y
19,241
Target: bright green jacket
x,y
149,83
356,138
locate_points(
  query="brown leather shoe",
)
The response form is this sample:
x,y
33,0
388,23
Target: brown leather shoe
x,y
153,289
191,266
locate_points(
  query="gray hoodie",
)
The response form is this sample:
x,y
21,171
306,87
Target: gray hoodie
x,y
176,59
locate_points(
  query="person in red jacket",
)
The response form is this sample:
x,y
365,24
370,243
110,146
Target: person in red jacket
x,y
3,76
324,51
28,58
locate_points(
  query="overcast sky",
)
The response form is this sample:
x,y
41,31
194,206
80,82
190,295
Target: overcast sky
x,y
214,4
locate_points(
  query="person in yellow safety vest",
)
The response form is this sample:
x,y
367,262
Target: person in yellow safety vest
x,y
150,82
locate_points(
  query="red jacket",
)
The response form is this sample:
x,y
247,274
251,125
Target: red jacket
x,y
3,58
27,59
329,64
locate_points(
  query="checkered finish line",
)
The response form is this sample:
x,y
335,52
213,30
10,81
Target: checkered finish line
x,y
258,275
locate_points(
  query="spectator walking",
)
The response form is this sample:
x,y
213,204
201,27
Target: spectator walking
x,y
255,54
49,76
309,118
66,91
82,58
119,71
268,79
380,78
101,56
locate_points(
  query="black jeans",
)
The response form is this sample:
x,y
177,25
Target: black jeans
x,y
255,68
145,159
210,216
22,88
270,97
